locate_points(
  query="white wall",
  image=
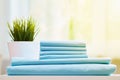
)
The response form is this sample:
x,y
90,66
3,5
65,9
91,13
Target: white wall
x,y
0,63
19,8
4,18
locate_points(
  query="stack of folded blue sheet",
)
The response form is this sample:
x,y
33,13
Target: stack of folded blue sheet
x,y
61,50
62,59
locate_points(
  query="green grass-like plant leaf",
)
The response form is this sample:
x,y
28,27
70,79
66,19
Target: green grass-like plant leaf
x,y
23,29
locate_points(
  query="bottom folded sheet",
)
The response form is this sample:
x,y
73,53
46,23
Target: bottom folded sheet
x,y
63,70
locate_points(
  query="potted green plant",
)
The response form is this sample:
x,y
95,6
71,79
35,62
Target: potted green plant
x,y
23,32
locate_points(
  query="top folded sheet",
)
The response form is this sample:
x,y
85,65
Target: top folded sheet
x,y
62,49
62,43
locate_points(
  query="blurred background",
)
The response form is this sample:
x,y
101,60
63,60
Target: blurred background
x,y
95,21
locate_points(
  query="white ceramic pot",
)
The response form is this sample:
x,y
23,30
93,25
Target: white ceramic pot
x,y
29,50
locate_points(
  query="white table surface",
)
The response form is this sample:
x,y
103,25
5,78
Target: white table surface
x,y
112,77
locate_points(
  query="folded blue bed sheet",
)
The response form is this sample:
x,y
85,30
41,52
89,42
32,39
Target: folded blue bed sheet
x,y
63,52
63,43
20,61
62,56
62,48
74,69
